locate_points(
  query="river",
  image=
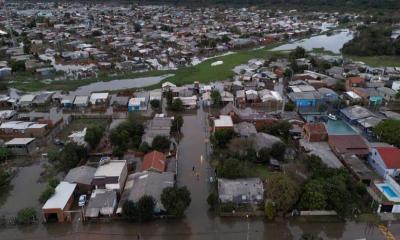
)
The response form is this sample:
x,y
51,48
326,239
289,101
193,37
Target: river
x,y
333,42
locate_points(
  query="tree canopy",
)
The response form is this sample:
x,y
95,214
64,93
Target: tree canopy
x,y
282,191
161,143
94,135
176,200
388,131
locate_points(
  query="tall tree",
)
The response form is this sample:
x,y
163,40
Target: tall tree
x,y
176,200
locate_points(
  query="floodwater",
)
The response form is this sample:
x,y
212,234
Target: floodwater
x,y
119,84
199,223
333,43
24,192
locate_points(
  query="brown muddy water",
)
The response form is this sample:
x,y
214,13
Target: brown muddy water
x,y
199,223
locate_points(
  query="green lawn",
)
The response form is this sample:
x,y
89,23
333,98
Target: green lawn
x,y
79,124
379,61
261,171
202,72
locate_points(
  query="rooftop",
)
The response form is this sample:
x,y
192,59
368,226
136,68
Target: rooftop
x,y
62,194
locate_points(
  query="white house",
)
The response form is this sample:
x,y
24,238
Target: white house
x,y
98,98
385,160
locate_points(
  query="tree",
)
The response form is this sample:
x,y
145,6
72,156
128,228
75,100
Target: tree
x,y
277,151
17,66
155,104
177,105
130,211
282,191
144,147
212,200
269,210
222,137
231,168
297,53
145,206
216,98
388,131
94,135
26,216
279,128
170,97
177,123
4,177
161,143
313,196
70,156
176,200
5,154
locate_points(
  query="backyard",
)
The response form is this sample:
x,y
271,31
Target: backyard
x,y
81,123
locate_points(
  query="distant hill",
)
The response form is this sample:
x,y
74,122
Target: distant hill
x,y
340,4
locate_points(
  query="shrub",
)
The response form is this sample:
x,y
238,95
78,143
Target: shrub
x,y
26,216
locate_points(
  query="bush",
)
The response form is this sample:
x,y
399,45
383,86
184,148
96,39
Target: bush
x,y
130,211
26,216
4,178
5,154
176,105
161,143
176,200
145,206
155,104
278,151
222,137
177,124
213,200
269,210
94,135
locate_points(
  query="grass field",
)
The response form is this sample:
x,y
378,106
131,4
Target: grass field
x,y
202,72
79,124
378,61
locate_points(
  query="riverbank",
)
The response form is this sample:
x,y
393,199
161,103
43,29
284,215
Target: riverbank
x,y
378,61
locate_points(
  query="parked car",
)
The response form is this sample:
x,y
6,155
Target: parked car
x,y
82,200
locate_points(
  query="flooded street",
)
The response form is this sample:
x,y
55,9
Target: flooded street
x,y
199,223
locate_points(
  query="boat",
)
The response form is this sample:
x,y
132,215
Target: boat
x,y
332,117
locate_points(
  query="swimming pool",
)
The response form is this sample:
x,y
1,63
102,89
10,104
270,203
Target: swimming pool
x,y
334,127
339,127
389,191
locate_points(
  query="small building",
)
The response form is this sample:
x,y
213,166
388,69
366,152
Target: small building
x,y
158,126
358,168
99,98
149,184
61,201
223,122
82,176
167,86
21,146
26,100
102,202
81,101
154,161
68,101
244,129
315,132
353,113
111,174
350,144
119,102
328,95
137,104
188,102
241,191
385,160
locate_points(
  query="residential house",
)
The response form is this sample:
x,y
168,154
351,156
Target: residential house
x,y
111,174
154,161
82,176
223,122
241,191
81,101
158,126
354,82
188,102
21,146
137,104
385,160
348,144
315,132
146,184
353,113
60,203
99,98
328,95
244,129
103,202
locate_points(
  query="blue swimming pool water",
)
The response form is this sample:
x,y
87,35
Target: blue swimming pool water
x,y
389,191
334,127
338,127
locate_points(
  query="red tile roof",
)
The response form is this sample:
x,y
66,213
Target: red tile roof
x,y
354,144
154,160
356,80
391,156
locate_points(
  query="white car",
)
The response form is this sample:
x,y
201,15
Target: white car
x,y
82,200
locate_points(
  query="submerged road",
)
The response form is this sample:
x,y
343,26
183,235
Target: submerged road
x,y
199,223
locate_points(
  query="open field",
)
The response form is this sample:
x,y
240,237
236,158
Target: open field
x,y
379,61
202,72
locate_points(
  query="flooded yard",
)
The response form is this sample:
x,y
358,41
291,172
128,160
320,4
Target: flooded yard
x,y
24,191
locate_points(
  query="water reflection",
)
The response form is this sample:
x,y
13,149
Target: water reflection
x,y
333,43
